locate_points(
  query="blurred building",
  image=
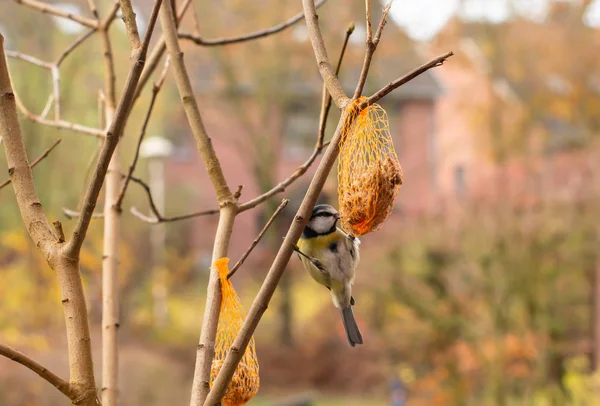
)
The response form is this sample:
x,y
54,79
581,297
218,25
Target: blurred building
x,y
293,124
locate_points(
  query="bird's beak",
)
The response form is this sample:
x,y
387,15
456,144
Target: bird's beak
x,y
337,216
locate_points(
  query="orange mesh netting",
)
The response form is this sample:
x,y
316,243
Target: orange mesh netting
x,y
369,174
245,382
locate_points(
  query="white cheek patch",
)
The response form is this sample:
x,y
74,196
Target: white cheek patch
x,y
322,224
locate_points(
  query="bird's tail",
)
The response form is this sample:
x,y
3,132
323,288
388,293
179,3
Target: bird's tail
x,y
352,331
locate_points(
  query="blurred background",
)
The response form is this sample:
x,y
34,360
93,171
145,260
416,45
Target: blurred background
x,y
483,286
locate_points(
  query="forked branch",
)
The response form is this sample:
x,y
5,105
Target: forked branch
x,y
237,265
41,370
247,37
112,138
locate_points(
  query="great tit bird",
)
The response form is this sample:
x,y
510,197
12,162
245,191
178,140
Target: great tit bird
x,y
330,256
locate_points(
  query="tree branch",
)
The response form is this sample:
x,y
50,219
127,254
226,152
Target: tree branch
x,y
227,208
157,53
130,24
281,206
371,45
37,161
112,138
46,8
155,90
18,167
74,45
326,100
56,381
439,61
327,73
61,124
247,37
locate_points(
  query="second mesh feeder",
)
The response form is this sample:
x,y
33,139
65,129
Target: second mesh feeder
x,y
369,173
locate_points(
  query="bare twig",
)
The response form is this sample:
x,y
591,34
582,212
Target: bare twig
x,y
130,24
439,61
327,73
247,37
326,100
371,45
195,22
159,218
48,106
30,59
155,90
66,268
74,45
93,8
71,214
46,8
227,208
37,161
157,53
111,237
56,91
162,219
281,206
368,20
62,124
41,370
112,138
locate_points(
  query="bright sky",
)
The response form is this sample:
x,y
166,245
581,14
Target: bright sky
x,y
424,18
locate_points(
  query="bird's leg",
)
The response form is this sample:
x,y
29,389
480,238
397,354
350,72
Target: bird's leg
x,y
314,261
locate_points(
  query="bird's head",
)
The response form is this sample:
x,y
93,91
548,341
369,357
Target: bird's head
x,y
323,221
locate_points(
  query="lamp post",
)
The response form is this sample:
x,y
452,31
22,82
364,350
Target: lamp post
x,y
156,150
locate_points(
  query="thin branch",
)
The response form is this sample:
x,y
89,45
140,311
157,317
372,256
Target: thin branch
x,y
281,206
155,90
48,106
110,17
71,214
195,22
157,53
368,20
62,124
439,61
43,235
247,37
93,8
130,24
161,219
74,45
112,138
30,59
327,73
227,208
56,91
46,8
371,45
37,161
50,377
281,186
326,100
